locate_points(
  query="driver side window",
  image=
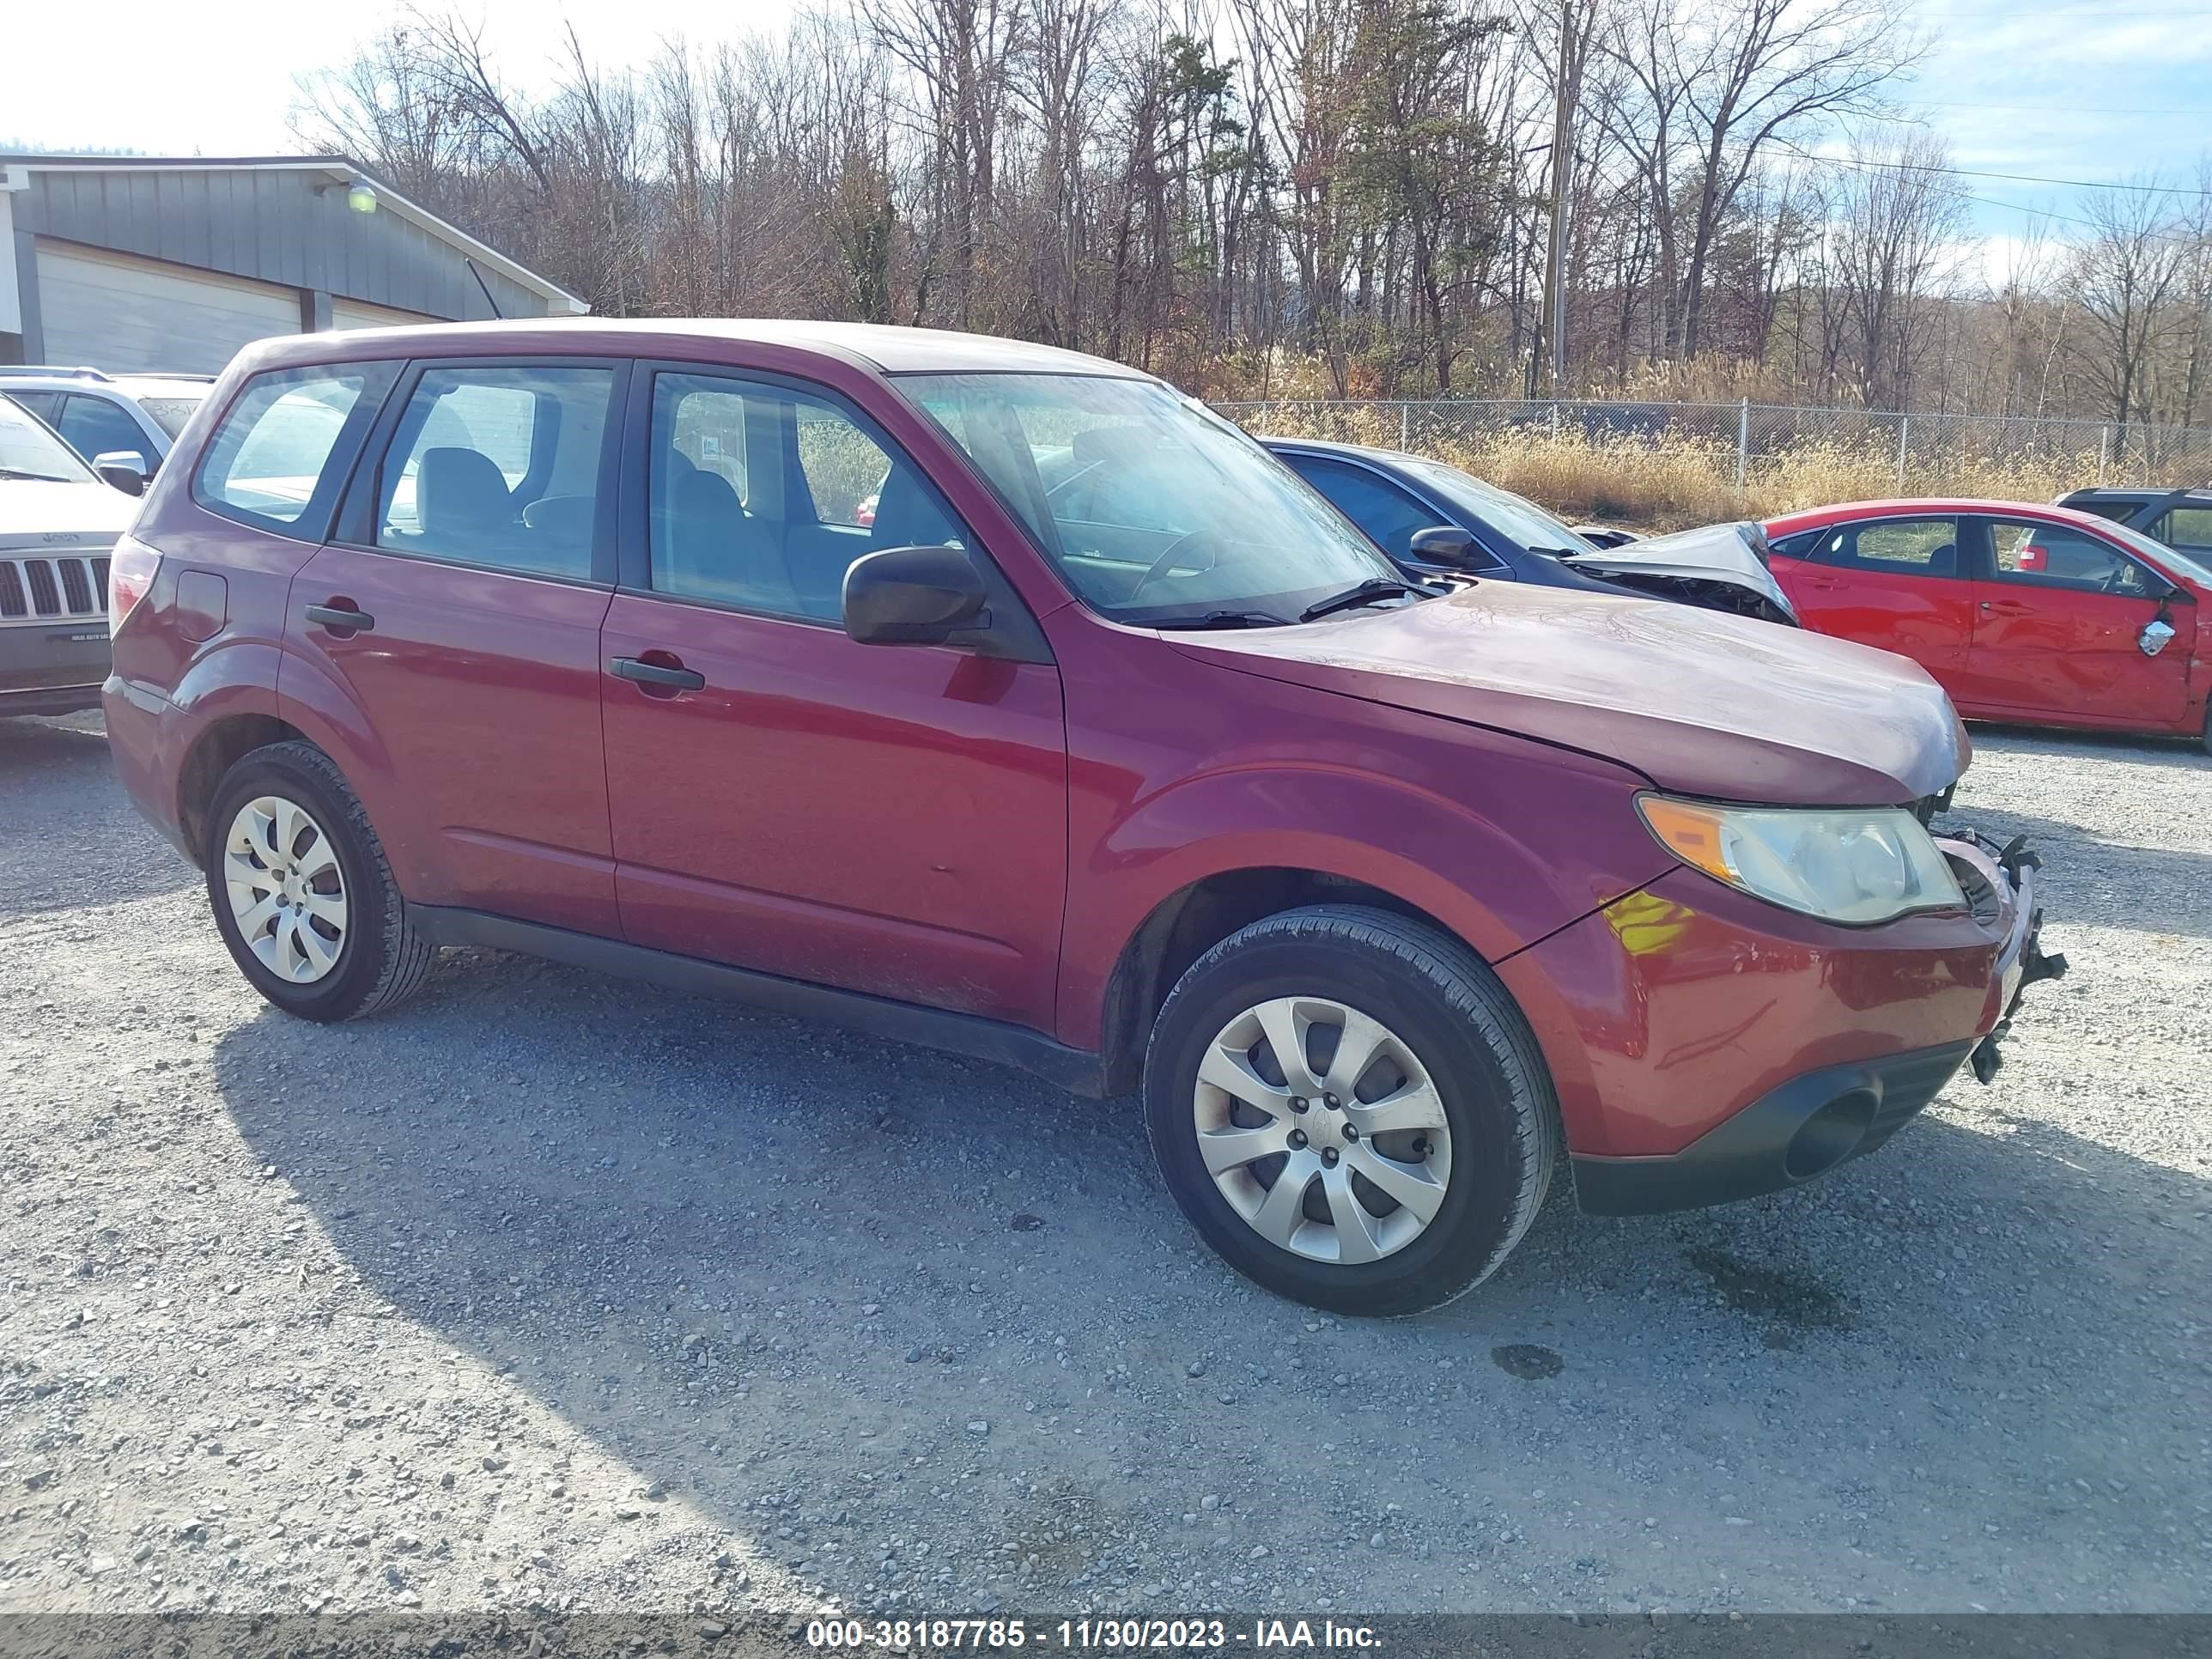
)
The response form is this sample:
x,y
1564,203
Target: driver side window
x,y
2056,555
1385,513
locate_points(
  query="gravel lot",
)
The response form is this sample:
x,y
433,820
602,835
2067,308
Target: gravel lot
x,y
552,1291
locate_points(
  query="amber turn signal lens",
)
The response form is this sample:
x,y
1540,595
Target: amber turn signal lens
x,y
1691,834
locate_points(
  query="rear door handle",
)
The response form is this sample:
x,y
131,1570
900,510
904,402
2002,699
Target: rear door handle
x,y
341,616
653,673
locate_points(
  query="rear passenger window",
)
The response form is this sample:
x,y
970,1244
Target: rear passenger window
x,y
2188,527
499,466
266,462
1902,547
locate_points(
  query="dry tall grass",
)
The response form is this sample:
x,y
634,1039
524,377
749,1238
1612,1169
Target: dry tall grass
x,y
1681,478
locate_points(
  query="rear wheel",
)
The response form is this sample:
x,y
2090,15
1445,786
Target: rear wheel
x,y
301,890
1350,1109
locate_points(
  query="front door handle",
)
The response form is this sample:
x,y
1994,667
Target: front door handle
x,y
674,678
340,617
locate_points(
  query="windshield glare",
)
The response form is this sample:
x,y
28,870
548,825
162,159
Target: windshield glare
x,y
2149,547
27,447
1153,507
1522,520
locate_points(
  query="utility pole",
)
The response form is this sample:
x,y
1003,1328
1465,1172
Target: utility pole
x,y
1565,90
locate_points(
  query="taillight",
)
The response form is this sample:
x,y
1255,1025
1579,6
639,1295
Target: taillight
x,y
130,570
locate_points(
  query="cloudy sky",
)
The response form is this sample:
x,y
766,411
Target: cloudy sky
x,y
2066,90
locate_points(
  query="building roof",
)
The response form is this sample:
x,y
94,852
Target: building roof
x,y
341,167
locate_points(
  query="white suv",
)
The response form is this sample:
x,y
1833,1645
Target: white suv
x,y
115,415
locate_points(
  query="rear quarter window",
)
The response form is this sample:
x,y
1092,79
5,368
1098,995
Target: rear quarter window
x,y
275,459
2187,527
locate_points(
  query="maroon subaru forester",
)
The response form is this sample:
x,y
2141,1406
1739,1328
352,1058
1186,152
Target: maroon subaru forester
x,y
1004,700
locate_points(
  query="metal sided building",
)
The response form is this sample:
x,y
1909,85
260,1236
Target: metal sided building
x,y
124,263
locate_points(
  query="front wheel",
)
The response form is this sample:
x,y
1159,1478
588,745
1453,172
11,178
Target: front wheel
x,y
1350,1109
301,893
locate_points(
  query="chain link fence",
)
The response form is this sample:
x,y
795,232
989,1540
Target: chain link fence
x,y
1742,443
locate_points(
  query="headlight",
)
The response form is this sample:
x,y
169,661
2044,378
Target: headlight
x,y
1842,864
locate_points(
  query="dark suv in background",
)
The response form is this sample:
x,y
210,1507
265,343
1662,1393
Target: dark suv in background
x,y
2181,519
999,698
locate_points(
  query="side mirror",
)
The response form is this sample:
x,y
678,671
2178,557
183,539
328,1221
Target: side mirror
x,y
125,469
1445,544
914,596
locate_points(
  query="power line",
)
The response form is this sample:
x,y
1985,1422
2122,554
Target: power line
x,y
1962,195
2019,177
2014,15
2052,107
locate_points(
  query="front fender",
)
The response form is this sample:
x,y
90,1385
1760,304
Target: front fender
x,y
1500,840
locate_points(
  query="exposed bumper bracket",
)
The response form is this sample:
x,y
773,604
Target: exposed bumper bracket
x,y
2025,961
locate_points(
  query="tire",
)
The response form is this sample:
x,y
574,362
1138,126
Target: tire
x,y
376,959
1445,1020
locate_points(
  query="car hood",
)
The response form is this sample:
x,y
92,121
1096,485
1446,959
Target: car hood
x,y
37,517
1728,553
1700,701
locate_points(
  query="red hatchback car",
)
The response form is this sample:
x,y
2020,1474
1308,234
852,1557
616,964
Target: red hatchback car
x,y
2042,615
572,638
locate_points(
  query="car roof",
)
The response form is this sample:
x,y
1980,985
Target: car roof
x,y
165,385
883,347
2131,493
1331,446
1788,524
148,384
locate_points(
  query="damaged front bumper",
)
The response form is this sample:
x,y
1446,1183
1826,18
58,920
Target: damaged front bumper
x,y
1999,880
1707,1047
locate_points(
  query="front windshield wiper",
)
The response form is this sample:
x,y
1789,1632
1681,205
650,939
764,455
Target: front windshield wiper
x,y
1373,588
1212,619
21,476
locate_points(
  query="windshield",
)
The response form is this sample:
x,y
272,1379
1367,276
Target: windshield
x,y
2149,547
29,450
1523,521
171,409
1153,508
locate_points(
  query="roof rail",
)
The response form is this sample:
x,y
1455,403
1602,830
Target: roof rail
x,y
54,371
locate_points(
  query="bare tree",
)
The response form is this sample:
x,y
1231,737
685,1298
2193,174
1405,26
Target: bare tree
x,y
2128,279
1359,195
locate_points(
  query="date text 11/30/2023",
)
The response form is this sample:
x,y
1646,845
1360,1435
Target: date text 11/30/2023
x,y
1087,1635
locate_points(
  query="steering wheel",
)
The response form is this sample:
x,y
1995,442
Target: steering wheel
x,y
1161,566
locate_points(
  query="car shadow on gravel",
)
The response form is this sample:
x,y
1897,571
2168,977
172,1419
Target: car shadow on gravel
x,y
834,1292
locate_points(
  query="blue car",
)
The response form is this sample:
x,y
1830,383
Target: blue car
x,y
1436,520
